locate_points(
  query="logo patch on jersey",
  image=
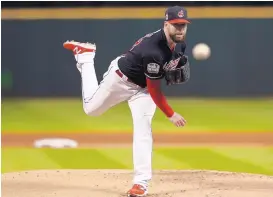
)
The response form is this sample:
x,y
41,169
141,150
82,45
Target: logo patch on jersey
x,y
172,64
153,68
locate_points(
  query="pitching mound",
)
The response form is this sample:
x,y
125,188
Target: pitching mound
x,y
114,183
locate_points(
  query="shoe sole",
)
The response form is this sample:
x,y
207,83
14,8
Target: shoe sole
x,y
137,195
70,45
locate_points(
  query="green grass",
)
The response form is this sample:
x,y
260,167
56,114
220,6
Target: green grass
x,y
236,159
66,115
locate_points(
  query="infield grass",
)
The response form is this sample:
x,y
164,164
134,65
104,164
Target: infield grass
x,y
236,159
202,115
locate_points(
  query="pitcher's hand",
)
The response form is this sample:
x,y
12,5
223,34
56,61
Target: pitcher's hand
x,y
178,120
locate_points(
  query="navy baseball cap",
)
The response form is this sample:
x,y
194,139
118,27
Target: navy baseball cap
x,y
176,14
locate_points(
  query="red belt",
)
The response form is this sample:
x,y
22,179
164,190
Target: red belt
x,y
121,76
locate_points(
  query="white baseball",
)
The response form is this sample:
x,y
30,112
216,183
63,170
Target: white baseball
x,y
201,51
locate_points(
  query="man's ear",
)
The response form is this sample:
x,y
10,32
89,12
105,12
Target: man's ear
x,y
165,24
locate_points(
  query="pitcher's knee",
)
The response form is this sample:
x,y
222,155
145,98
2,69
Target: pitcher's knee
x,y
91,111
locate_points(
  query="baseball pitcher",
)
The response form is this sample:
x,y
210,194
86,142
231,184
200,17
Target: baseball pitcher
x,y
135,77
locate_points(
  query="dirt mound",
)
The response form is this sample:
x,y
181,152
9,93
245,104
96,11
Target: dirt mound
x,y
114,183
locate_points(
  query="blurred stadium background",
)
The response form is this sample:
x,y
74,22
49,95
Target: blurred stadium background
x,y
231,92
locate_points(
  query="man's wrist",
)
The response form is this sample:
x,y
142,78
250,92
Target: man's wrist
x,y
170,114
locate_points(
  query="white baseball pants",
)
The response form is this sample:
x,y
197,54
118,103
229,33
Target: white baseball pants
x,y
112,90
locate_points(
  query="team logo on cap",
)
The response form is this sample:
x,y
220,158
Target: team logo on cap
x,y
180,14
166,17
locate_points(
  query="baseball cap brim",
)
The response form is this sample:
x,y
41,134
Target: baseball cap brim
x,y
177,21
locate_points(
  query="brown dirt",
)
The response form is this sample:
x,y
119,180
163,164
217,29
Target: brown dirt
x,y
114,183
266,139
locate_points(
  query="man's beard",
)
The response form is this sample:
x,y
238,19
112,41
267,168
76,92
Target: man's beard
x,y
174,39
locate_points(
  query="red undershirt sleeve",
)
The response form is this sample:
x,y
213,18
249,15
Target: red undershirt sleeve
x,y
158,97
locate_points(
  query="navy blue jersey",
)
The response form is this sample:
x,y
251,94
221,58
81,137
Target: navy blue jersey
x,y
148,57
